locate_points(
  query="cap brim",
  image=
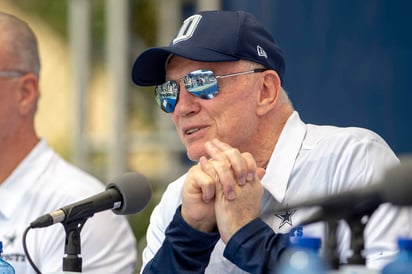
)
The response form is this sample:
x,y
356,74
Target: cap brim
x,y
149,69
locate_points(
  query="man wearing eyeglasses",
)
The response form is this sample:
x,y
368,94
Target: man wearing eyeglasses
x,y
254,155
34,180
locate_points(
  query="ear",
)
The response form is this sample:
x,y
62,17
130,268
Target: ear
x,y
28,93
269,92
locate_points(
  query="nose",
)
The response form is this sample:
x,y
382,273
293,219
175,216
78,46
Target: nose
x,y
187,103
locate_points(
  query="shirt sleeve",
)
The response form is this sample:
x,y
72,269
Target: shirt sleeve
x,y
184,250
255,248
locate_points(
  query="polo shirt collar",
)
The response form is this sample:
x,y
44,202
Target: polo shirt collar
x,y
283,157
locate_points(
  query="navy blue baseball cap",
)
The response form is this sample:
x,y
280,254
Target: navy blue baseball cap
x,y
212,36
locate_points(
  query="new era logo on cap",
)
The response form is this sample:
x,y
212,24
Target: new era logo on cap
x,y
261,51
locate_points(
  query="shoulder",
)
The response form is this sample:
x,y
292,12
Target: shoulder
x,y
348,153
317,135
346,141
65,181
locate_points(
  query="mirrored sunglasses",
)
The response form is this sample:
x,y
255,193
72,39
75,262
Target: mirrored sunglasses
x,y
201,83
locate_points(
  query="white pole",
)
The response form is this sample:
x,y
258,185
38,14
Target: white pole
x,y
118,72
79,37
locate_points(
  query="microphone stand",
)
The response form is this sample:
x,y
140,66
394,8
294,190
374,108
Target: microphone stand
x,y
357,224
331,250
72,260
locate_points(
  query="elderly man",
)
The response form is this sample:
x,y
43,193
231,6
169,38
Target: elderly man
x,y
221,81
34,180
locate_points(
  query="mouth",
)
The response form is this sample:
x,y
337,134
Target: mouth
x,y
193,130
190,131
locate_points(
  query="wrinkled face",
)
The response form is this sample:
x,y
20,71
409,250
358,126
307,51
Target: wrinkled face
x,y
230,116
8,99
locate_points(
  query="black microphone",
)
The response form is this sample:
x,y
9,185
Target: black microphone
x,y
126,194
394,188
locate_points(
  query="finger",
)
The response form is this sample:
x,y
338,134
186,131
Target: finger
x,y
208,188
203,183
226,179
250,166
260,172
208,168
218,187
223,152
233,155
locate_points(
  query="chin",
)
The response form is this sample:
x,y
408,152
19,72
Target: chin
x,y
193,157
194,154
195,150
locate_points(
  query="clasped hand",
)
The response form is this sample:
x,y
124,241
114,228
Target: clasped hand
x,y
222,191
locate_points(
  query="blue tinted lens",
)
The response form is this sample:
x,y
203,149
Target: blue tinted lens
x,y
166,95
200,83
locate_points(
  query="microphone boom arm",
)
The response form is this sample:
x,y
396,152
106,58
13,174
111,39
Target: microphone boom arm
x,y
87,208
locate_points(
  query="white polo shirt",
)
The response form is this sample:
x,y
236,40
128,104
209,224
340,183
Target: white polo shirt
x,y
42,183
309,161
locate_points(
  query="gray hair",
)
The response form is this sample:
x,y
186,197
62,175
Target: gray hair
x,y
20,42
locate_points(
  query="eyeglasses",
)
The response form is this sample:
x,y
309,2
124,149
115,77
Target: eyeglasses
x,y
11,73
201,83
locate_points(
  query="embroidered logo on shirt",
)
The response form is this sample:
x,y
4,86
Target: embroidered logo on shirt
x,y
285,217
9,240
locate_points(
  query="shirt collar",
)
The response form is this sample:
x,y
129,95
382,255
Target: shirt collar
x,y
283,157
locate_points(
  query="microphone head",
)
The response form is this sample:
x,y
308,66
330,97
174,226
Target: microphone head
x,y
397,184
135,190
